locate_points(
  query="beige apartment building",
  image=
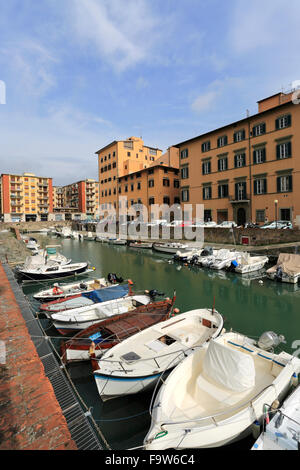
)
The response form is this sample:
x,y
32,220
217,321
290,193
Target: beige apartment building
x,y
248,170
76,201
26,197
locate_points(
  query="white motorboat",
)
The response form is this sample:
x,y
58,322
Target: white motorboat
x,y
90,236
70,321
213,397
37,268
66,232
171,248
117,241
248,264
281,427
140,244
221,260
287,269
64,291
32,245
136,364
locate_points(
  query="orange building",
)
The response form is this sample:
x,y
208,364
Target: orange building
x,y
247,170
78,200
156,185
26,197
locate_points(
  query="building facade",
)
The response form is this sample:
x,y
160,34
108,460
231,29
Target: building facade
x,y
247,171
26,197
77,201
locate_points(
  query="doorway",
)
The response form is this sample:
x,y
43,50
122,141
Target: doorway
x,y
241,216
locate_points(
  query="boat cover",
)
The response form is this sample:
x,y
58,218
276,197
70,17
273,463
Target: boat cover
x,y
228,367
109,293
289,263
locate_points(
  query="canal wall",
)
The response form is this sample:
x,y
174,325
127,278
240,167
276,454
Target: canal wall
x,y
33,226
237,236
30,416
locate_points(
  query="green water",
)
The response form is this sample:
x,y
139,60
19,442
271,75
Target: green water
x,y
248,307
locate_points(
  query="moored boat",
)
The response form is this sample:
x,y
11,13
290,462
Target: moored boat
x,y
287,269
93,341
170,248
140,244
75,319
213,397
86,298
136,364
50,270
249,264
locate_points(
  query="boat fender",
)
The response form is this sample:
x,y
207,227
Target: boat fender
x,y
255,429
275,404
295,380
92,349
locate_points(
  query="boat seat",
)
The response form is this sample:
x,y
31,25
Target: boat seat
x,y
216,393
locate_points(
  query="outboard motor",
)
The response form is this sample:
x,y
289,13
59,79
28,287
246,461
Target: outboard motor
x,y
114,279
207,251
83,286
279,273
270,340
154,293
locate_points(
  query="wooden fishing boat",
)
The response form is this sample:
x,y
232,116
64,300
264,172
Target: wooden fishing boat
x,y
170,248
93,341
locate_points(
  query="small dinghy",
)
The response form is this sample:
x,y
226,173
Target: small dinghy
x,y
86,298
287,269
170,248
136,364
213,397
71,321
90,236
223,259
95,340
64,291
117,241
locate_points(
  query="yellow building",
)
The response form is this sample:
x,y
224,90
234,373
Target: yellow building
x,y
26,197
78,200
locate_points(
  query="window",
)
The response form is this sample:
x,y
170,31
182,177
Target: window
x,y
285,214
166,182
151,171
284,184
185,195
222,141
126,188
260,186
260,129
128,154
206,168
207,215
151,183
284,150
151,201
176,200
184,153
239,136
283,121
205,146
223,164
260,215
139,185
207,192
114,165
176,183
259,156
132,187
240,191
185,172
239,160
166,200
223,190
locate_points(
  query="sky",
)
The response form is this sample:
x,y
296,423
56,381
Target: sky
x,y
79,74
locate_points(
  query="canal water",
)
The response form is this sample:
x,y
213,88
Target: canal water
x,y
247,305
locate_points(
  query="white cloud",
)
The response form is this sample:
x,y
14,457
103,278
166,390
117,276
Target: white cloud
x,y
121,32
204,102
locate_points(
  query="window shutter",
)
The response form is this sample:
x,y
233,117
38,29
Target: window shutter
x,y
254,157
236,191
243,134
219,165
226,190
244,159
225,140
226,163
263,154
265,186
264,127
210,192
290,183
219,191
202,168
289,120
278,152
209,167
203,193
289,147
278,184
277,124
255,186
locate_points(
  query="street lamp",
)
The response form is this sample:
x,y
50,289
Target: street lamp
x,y
276,202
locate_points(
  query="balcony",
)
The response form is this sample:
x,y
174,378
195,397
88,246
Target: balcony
x,y
239,198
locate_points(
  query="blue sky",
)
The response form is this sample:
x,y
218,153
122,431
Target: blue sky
x,y
81,73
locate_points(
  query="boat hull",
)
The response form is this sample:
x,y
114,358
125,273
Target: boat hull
x,y
55,275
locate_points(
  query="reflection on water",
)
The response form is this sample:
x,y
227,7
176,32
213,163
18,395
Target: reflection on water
x,y
250,304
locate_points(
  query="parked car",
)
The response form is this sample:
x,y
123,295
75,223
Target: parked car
x,y
156,223
279,224
227,224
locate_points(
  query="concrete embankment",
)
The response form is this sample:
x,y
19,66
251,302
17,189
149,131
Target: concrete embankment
x,y
30,416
